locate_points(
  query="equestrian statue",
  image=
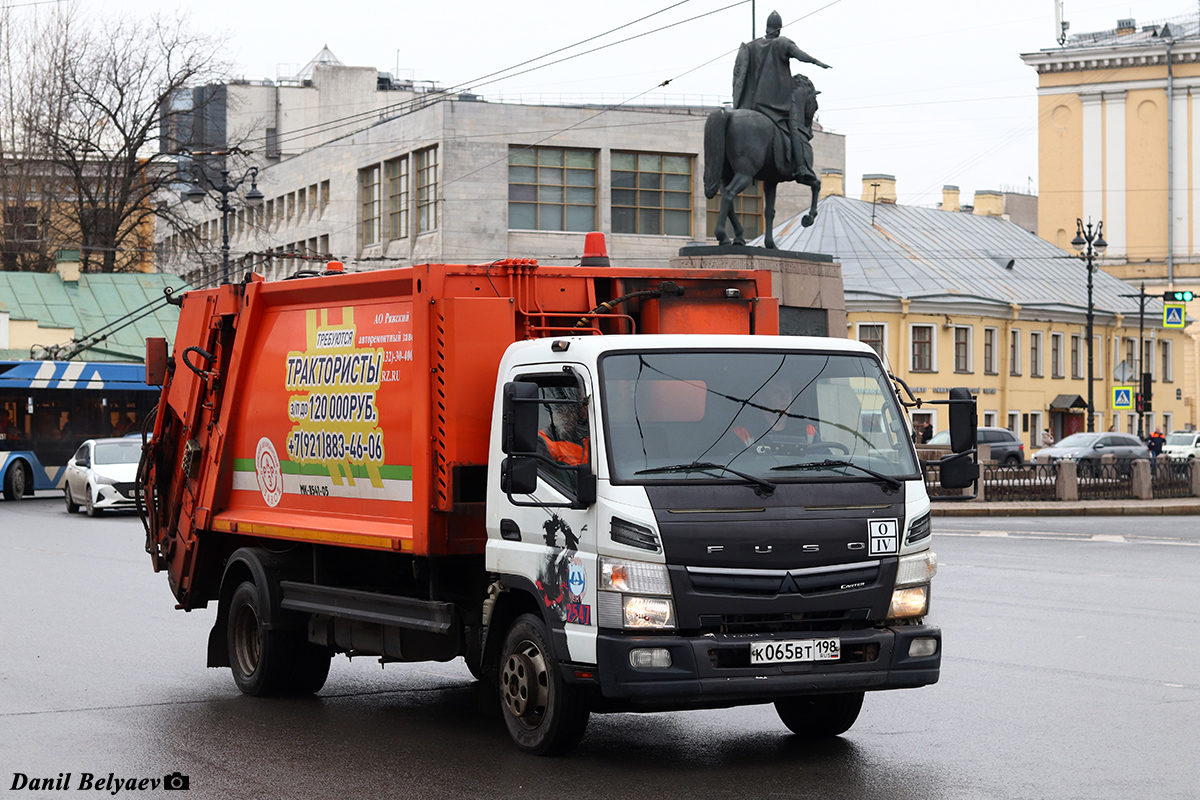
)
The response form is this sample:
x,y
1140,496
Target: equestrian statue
x,y
766,136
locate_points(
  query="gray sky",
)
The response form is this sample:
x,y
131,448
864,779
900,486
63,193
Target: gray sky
x,y
931,91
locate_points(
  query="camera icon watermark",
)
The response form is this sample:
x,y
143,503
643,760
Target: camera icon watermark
x,y
176,781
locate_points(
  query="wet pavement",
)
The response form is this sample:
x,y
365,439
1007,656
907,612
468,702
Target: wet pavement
x,y
1070,672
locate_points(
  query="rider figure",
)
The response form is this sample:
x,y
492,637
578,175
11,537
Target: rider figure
x,y
762,82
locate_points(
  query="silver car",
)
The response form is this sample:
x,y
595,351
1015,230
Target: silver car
x,y
1089,448
102,475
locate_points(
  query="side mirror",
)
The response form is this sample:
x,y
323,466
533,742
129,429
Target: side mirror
x,y
1098,446
518,475
82,462
963,420
957,471
520,411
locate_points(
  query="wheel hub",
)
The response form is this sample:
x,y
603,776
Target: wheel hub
x,y
523,681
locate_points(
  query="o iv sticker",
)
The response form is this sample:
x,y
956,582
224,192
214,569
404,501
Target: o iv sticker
x,y
885,536
266,469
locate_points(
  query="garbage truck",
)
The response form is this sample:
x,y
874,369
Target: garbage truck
x,y
607,489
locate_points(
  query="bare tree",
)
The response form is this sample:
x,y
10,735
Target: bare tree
x,y
88,114
123,83
32,101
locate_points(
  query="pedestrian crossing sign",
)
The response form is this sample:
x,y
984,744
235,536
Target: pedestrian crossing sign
x,y
1173,315
1122,398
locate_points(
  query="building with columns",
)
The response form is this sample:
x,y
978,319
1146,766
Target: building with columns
x,y
1118,131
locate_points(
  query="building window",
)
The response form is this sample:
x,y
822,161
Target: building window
x,y
990,367
1097,357
369,184
922,348
324,193
301,201
990,418
1014,353
749,209
1035,354
1168,423
291,205
1147,364
872,336
1056,355
962,349
551,189
396,173
1131,354
1076,359
426,168
1014,422
1167,375
651,194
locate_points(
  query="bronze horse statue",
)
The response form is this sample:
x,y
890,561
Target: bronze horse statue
x,y
741,146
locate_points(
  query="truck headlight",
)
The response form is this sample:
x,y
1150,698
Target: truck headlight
x,y
917,568
627,595
640,577
649,612
912,602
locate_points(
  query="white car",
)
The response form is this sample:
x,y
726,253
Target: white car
x,y
102,475
1182,444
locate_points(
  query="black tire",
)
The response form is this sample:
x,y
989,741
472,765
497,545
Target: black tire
x,y
311,668
820,716
544,715
72,506
262,660
1012,461
89,503
16,481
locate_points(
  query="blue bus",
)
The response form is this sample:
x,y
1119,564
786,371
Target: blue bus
x,y
49,408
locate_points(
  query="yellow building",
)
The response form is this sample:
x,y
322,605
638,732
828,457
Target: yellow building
x,y
950,298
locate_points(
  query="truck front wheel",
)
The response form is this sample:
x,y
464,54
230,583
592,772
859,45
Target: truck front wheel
x,y
270,662
544,714
820,715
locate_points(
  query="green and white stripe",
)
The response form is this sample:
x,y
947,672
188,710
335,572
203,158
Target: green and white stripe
x,y
397,480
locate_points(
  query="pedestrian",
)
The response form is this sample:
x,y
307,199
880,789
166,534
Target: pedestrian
x,y
927,432
1112,428
1047,438
1155,444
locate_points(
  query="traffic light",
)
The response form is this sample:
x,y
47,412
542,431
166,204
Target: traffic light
x,y
1177,297
1139,404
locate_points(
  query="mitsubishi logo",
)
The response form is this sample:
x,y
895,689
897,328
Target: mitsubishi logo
x,y
789,585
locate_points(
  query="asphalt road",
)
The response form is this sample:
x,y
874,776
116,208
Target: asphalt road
x,y
1070,672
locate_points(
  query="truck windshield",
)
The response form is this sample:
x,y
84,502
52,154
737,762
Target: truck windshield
x,y
832,413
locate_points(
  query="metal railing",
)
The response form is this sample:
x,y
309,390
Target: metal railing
x,y
1171,478
1105,481
1020,482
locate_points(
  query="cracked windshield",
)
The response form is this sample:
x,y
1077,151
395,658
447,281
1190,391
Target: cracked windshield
x,y
777,416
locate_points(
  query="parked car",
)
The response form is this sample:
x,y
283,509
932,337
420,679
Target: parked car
x,y
1088,448
1182,444
102,475
1007,447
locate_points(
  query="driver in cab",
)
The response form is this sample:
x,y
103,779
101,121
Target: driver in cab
x,y
777,427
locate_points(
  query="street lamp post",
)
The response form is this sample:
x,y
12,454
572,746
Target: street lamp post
x,y
1091,245
253,199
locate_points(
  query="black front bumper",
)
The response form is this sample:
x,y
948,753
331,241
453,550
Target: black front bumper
x,y
712,671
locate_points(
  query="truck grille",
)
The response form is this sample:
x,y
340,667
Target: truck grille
x,y
760,583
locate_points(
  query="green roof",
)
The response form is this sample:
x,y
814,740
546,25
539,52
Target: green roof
x,y
91,304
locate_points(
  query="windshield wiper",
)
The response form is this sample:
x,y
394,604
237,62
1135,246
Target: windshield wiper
x,y
698,466
834,462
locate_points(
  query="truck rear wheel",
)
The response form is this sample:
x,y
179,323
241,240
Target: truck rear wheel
x,y
820,715
270,662
544,714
